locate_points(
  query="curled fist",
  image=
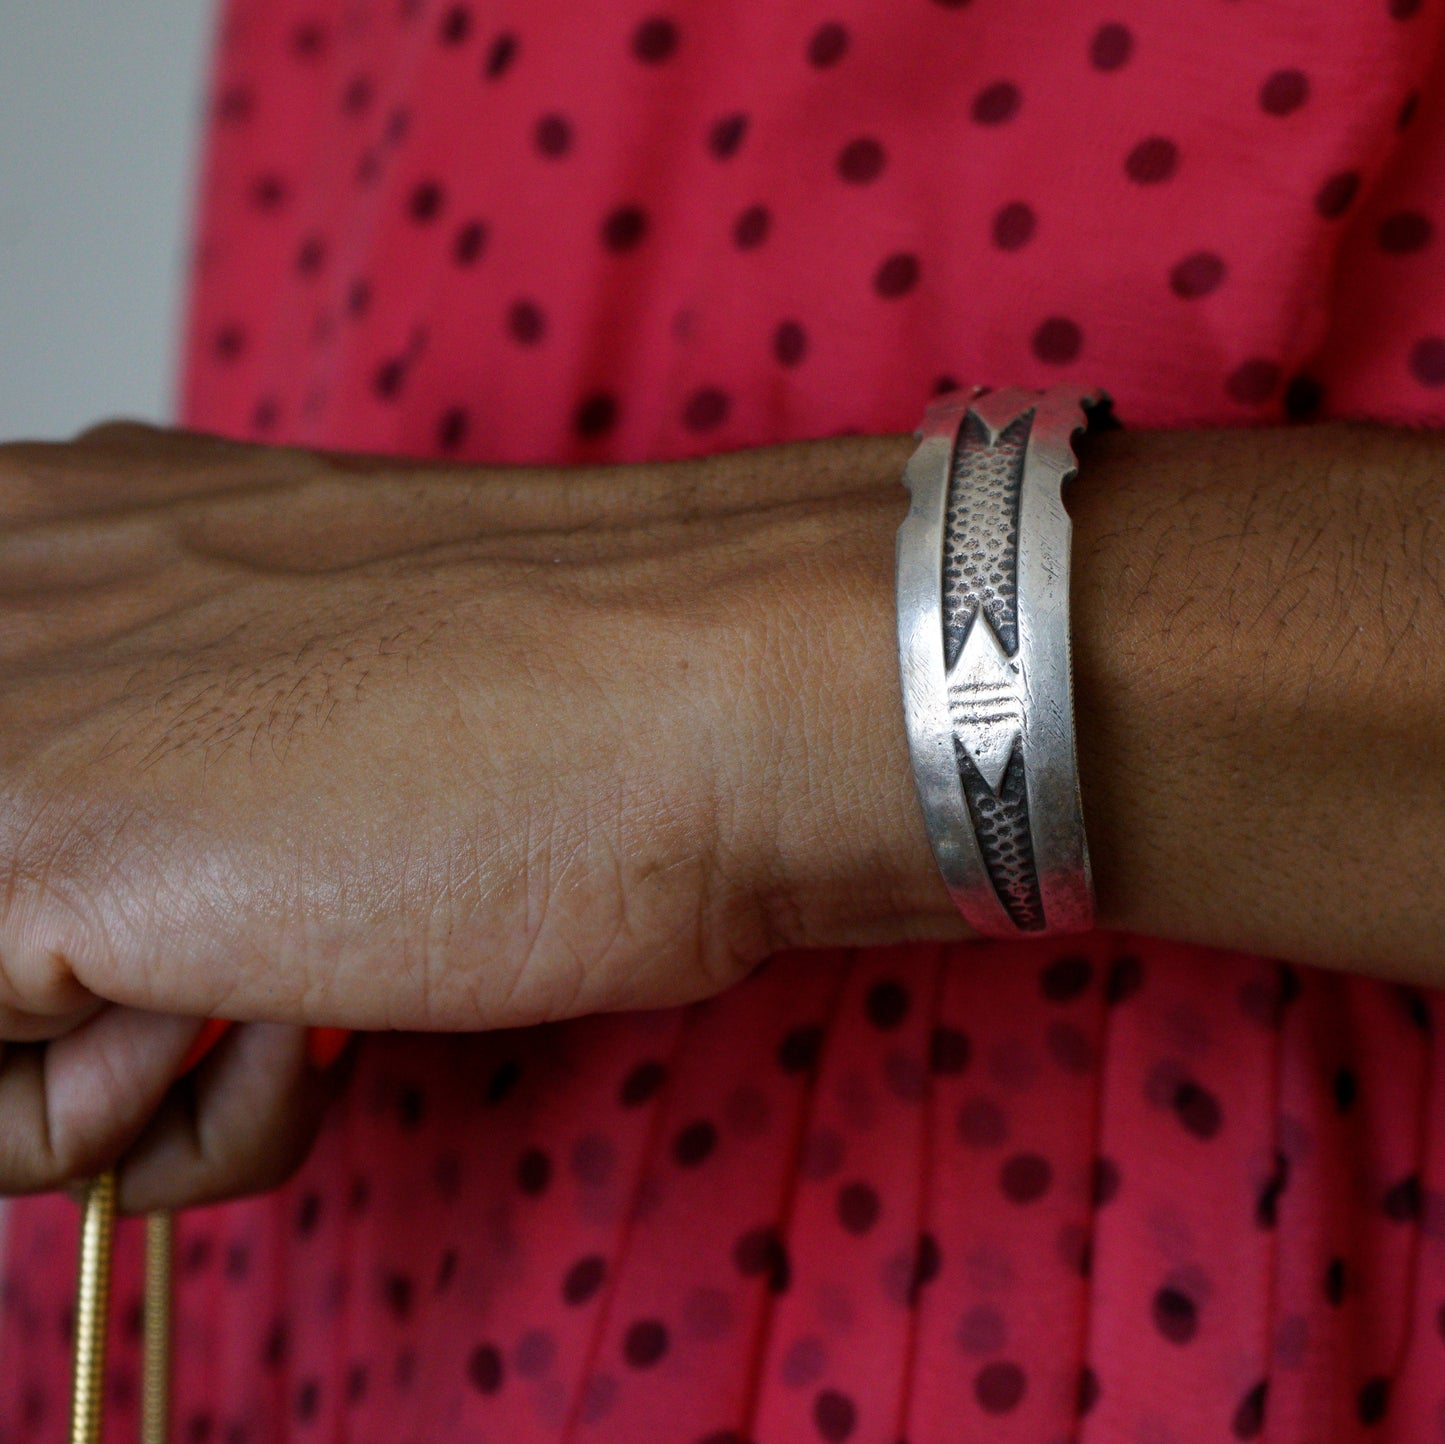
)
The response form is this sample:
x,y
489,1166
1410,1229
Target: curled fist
x,y
294,738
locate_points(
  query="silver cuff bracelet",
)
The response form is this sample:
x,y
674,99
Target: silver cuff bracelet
x,y
983,642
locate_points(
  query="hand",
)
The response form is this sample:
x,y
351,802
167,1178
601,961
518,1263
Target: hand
x,y
101,1095
315,739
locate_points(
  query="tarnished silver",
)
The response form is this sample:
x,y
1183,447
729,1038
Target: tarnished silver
x,y
983,641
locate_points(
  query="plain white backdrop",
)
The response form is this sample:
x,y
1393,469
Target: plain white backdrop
x,y
99,109
99,104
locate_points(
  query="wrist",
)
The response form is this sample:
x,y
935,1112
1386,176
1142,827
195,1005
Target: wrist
x,y
834,849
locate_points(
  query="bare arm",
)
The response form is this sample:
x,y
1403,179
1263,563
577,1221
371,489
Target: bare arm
x,y
313,739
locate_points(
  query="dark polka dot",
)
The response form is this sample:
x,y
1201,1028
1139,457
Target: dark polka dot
x,y
1266,1206
1196,1108
835,1415
1153,160
311,256
887,1004
1405,231
584,1279
790,343
230,342
761,1251
1069,1047
727,135
999,1387
451,428
1248,1420
308,40
858,1207
358,298
446,1271
534,1172
1303,398
624,228
1198,274
501,56
1404,9
1111,46
357,97
799,1050
1334,1282
387,382
505,1077
357,1376
1403,1200
1333,198
1408,110
654,40
235,105
996,103
896,276
308,1400
1175,1315
596,415
1057,341
642,1083
1374,1401
861,161
949,1050
308,1214
644,1343
981,1123
199,1428
1126,977
694,1143
706,409
1346,1089
1427,360
535,1353
359,1196
1253,382
456,25
469,242
397,125
1105,1187
1087,1394
526,323
828,45
750,229
398,1292
1025,1177
1284,92
1066,978
553,135
1013,226
269,192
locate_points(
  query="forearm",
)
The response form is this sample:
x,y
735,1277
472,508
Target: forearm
x,y
1259,654
338,740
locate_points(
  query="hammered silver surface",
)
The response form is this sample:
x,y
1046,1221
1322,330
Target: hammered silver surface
x,y
1002,825
981,533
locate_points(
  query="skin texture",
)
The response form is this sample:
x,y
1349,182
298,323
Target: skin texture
x,y
295,739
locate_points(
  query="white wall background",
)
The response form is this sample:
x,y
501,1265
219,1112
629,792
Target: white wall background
x,y
99,103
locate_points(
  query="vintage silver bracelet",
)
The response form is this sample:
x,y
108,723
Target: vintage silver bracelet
x,y
983,641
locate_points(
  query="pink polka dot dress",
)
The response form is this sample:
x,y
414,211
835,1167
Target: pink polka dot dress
x,y
1111,1189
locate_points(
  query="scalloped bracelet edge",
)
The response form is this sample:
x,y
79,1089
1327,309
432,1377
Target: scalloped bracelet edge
x,y
984,652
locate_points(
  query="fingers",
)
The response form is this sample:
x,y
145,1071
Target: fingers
x,y
70,1107
242,1123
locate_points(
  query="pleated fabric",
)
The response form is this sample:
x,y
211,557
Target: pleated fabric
x,y
1110,1189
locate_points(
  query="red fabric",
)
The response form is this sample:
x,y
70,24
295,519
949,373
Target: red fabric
x,y
1114,1189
